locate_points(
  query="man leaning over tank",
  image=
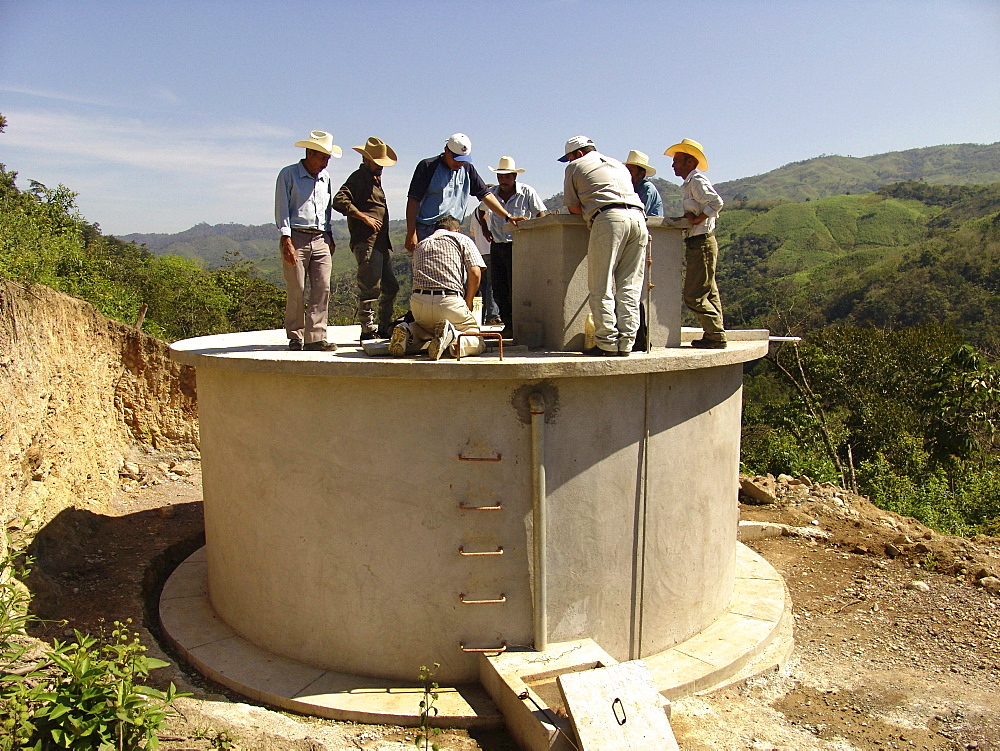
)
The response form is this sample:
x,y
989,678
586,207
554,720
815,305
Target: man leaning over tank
x,y
701,204
362,200
441,186
302,211
600,188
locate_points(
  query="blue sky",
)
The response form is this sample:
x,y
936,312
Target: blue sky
x,y
162,115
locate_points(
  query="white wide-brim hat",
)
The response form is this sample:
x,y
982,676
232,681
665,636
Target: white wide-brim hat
x,y
687,146
320,140
638,159
506,165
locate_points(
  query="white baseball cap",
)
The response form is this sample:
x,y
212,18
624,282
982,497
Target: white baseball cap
x,y
576,142
460,146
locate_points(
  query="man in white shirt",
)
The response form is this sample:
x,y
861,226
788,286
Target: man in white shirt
x,y
519,200
701,204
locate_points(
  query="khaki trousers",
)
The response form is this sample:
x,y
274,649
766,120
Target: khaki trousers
x,y
615,270
429,309
701,293
313,255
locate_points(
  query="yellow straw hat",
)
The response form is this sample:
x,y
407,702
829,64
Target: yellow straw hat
x,y
687,146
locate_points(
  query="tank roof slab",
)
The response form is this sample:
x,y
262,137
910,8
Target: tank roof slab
x,y
267,352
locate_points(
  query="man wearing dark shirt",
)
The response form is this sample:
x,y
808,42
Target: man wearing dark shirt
x,y
362,200
441,187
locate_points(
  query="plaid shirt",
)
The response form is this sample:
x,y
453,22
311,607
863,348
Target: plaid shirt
x,y
439,261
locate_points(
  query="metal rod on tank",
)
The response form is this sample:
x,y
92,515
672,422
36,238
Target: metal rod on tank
x,y
536,402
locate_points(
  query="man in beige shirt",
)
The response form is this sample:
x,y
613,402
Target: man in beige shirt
x,y
600,189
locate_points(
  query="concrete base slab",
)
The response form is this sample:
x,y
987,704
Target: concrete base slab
x,y
753,636
617,708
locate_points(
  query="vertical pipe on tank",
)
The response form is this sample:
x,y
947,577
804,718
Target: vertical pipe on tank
x,y
536,403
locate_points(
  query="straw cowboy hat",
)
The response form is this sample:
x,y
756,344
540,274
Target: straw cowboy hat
x,y
378,151
507,166
638,159
320,141
687,146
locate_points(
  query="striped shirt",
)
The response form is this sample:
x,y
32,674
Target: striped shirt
x,y
439,261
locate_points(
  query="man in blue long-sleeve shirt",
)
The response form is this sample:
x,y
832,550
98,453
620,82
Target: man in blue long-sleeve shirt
x,y
637,165
302,207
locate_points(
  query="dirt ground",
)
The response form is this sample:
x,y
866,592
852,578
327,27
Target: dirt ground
x,y
897,634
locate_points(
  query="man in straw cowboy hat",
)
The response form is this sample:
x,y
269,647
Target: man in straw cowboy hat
x,y
362,200
600,188
637,165
701,204
518,199
302,208
441,186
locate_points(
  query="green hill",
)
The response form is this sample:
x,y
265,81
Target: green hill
x,y
911,253
829,175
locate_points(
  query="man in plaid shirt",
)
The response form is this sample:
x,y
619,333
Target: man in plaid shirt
x,y
447,268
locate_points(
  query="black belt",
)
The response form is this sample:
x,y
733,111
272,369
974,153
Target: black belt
x,y
436,292
616,206
309,231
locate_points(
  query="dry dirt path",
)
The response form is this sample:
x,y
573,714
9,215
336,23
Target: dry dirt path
x,y
877,665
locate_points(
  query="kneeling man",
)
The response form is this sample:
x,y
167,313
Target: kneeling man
x,y
447,268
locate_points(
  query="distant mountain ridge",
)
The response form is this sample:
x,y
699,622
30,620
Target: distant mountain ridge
x,y
832,175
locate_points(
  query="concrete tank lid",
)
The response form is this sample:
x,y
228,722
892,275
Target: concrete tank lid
x,y
267,352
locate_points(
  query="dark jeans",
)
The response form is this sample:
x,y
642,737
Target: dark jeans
x,y
502,270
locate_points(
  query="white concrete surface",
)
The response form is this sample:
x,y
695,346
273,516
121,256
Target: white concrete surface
x,y
334,486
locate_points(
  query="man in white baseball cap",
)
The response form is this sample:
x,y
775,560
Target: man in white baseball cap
x,y
302,206
600,189
441,186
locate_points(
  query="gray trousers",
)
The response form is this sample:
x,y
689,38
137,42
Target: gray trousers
x,y
314,259
375,282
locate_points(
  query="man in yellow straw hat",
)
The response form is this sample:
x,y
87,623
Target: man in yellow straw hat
x,y
701,204
302,210
362,200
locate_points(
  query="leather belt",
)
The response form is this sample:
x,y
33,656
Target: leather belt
x,y
616,206
309,231
435,292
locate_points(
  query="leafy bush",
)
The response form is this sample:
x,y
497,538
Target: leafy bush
x,y
91,698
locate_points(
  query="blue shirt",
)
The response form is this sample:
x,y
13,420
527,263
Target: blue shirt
x,y
650,197
302,201
443,191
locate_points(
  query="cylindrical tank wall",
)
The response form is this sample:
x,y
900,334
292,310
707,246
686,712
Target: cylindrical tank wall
x,y
334,526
